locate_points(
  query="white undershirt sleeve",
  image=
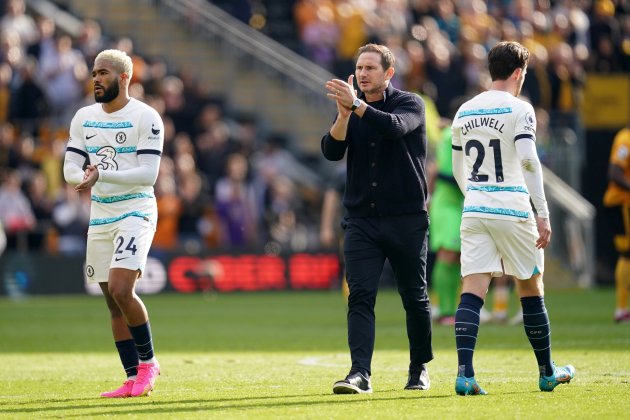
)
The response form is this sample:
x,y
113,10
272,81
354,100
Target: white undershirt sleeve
x,y
73,168
457,160
143,175
532,172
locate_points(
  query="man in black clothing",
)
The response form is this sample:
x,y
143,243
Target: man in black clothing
x,y
384,132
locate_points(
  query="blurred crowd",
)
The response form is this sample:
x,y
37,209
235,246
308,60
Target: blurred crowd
x,y
441,45
225,181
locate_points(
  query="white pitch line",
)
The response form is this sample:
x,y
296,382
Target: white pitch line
x,y
317,361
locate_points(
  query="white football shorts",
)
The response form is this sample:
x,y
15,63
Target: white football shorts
x,y
126,245
487,242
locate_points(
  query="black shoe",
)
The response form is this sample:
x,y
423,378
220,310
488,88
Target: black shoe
x,y
355,383
419,380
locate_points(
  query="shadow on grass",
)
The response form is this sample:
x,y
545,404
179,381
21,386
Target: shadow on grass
x,y
100,406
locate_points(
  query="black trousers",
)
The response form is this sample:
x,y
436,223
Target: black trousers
x,y
368,242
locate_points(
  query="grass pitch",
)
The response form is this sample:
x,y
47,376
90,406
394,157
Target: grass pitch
x,y
276,355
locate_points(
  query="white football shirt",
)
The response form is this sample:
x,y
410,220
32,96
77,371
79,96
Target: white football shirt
x,y
112,142
485,129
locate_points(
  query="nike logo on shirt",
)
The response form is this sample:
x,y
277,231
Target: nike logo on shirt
x,y
89,137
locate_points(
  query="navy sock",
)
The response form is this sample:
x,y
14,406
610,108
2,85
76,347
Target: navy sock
x,y
128,356
538,330
142,339
466,329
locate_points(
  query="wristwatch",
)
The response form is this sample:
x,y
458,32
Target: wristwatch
x,y
355,104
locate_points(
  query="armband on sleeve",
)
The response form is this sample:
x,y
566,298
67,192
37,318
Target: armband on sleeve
x,y
73,165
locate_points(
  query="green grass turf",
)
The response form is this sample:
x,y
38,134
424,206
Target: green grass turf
x,y
276,355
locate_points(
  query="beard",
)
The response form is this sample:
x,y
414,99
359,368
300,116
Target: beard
x,y
108,94
374,88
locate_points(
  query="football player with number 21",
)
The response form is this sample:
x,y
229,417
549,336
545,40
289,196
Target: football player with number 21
x,y
496,166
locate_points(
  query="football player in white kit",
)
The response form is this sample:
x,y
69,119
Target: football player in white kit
x,y
497,168
119,140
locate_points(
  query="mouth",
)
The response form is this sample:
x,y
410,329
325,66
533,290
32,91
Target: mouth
x,y
98,89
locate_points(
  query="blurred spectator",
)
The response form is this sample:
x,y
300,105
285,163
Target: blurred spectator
x,y
11,49
283,229
176,106
52,166
71,215
353,33
330,232
245,134
91,41
26,163
169,206
157,70
213,146
196,204
8,152
42,205
29,104
318,31
605,37
236,204
566,79
447,20
208,116
537,86
63,74
6,75
44,44
445,71
274,159
15,19
16,213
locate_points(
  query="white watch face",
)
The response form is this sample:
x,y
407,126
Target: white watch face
x,y
357,102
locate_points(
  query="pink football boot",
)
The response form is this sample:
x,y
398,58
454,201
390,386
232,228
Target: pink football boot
x,y
147,373
123,392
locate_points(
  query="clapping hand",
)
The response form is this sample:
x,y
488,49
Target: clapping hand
x,y
89,178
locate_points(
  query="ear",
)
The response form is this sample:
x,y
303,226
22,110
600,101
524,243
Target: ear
x,y
516,74
389,73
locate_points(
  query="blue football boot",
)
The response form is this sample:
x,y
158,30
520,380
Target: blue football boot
x,y
561,375
468,386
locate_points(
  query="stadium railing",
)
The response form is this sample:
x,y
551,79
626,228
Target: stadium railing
x,y
573,239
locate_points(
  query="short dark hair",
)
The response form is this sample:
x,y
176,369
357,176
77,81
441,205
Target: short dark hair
x,y
505,57
387,57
